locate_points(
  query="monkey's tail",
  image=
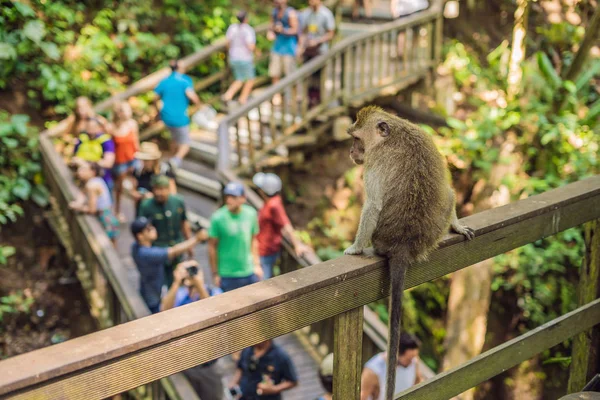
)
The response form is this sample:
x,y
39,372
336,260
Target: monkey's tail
x,y
398,265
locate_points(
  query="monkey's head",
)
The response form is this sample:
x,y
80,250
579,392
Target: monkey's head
x,y
371,128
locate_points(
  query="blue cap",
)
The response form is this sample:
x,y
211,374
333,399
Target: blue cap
x,y
233,189
139,225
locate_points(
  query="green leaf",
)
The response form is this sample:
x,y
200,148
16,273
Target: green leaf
x,y
19,123
24,9
10,143
587,75
570,86
21,189
34,30
7,51
40,195
548,70
51,50
8,251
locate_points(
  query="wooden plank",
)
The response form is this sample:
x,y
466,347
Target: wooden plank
x,y
585,357
500,358
347,350
95,363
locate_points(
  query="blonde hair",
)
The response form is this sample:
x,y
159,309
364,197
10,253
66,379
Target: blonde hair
x,y
124,108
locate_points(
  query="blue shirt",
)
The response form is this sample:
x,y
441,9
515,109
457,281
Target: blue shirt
x,y
275,363
150,262
175,103
284,44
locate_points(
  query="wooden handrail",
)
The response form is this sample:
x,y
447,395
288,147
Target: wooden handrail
x,y
150,348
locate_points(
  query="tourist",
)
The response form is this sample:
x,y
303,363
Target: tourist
x,y
233,244
167,213
188,286
148,166
284,32
150,259
263,372
367,6
125,136
374,373
95,146
241,41
95,199
77,122
175,92
273,222
318,28
326,377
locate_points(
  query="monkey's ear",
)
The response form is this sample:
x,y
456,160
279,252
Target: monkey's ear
x,y
383,128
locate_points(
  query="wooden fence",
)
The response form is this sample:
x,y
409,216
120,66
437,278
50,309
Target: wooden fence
x,y
126,356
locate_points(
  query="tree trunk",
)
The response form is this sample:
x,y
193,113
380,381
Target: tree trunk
x,y
470,289
517,54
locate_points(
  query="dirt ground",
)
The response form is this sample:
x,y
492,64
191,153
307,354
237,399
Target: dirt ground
x,y
38,307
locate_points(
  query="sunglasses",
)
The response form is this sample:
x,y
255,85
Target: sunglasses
x,y
253,364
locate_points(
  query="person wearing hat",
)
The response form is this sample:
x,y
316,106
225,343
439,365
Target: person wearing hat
x,y
241,41
150,259
326,377
232,243
176,92
148,166
168,215
273,223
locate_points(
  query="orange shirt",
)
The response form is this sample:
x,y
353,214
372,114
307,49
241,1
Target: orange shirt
x,y
125,148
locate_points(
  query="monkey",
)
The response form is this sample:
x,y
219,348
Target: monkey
x,y
409,206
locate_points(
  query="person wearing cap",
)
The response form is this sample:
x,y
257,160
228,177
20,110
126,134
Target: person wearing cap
x,y
273,223
151,259
326,377
232,244
241,41
168,215
149,165
176,92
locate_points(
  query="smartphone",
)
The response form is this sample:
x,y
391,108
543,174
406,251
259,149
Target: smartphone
x,y
192,271
235,391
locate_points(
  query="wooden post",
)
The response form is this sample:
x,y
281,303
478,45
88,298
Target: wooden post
x,y
347,362
585,358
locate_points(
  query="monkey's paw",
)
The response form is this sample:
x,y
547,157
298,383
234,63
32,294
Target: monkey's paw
x,y
353,250
465,231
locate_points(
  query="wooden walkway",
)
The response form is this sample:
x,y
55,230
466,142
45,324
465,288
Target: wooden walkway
x,y
309,386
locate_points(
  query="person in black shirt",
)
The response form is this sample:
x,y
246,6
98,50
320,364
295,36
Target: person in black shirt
x,y
263,372
148,166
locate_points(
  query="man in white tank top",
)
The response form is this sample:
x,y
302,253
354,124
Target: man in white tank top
x,y
407,371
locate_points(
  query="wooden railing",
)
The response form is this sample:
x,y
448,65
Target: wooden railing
x,y
126,356
354,71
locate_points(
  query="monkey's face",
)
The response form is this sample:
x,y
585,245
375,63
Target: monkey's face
x,y
357,151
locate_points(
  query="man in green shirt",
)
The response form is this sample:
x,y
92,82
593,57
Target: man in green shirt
x,y
232,243
167,213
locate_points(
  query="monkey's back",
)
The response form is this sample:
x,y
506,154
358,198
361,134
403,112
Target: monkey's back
x,y
416,207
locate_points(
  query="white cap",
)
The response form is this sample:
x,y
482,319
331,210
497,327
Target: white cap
x,y
268,183
326,367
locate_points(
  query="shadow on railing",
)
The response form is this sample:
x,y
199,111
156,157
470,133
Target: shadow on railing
x,y
134,353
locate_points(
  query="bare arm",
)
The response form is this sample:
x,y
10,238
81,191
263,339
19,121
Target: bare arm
x,y
293,29
136,132
283,386
212,259
168,301
289,232
419,376
182,247
186,229
191,94
369,385
236,378
256,257
108,160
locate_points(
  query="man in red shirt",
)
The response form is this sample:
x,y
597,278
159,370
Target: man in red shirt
x,y
273,222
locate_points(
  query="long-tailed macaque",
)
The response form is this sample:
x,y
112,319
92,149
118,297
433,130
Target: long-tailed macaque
x,y
409,205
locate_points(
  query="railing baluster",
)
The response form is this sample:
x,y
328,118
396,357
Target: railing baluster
x,y
347,72
238,142
407,46
347,361
362,45
380,43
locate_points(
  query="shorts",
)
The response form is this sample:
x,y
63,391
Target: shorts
x,y
109,222
229,284
180,134
280,64
120,169
242,70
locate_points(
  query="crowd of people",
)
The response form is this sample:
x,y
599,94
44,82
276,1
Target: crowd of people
x,y
243,244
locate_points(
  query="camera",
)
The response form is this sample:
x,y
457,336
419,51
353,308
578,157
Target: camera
x,y
195,225
192,271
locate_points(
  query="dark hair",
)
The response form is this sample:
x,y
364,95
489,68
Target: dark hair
x,y
327,382
174,64
241,16
408,342
96,168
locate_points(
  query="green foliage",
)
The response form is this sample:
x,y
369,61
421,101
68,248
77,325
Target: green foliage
x,y
15,303
64,49
20,170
